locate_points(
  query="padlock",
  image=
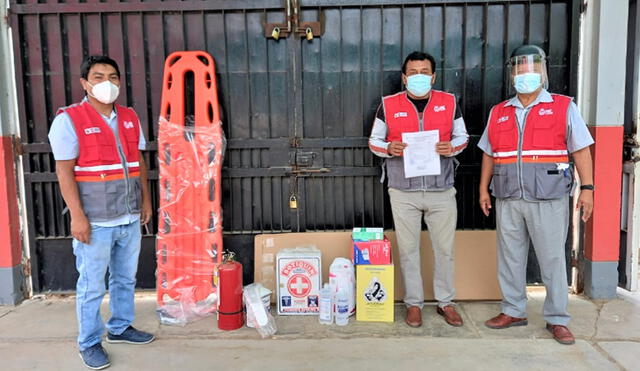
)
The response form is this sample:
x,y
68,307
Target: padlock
x,y
309,34
275,33
293,202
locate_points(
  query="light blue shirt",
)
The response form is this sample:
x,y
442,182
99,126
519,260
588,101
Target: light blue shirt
x,y
578,136
65,146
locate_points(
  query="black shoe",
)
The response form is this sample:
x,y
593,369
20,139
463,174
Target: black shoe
x,y
95,357
131,336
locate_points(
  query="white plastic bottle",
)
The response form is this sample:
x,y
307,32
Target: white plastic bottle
x,y
342,307
326,305
342,275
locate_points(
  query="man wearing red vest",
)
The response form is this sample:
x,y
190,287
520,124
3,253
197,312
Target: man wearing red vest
x,y
433,196
103,180
527,144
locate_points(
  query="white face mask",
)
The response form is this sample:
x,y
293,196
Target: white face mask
x,y
527,83
105,92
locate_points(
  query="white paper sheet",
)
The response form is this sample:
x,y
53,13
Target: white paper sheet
x,y
420,156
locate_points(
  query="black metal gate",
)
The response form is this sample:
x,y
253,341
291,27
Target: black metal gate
x,y
297,112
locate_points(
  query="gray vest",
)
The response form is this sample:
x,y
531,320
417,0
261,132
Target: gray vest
x,y
442,182
538,181
104,201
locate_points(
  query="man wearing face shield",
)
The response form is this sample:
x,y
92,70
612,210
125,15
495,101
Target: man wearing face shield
x,y
528,144
103,180
421,108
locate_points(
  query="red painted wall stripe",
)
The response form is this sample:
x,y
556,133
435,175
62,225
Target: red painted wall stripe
x,y
602,238
10,247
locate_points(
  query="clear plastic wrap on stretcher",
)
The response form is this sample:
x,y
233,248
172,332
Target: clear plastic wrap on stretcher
x,y
257,315
189,242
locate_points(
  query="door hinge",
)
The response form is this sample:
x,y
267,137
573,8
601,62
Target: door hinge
x,y
631,149
18,148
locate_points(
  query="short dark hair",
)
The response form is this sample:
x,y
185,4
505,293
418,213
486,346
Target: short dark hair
x,y
419,56
92,60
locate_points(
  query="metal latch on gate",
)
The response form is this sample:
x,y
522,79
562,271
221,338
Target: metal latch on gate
x,y
304,159
302,162
294,25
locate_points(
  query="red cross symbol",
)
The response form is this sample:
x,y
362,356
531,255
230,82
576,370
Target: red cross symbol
x,y
299,285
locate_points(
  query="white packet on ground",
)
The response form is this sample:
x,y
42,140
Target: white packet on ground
x,y
257,315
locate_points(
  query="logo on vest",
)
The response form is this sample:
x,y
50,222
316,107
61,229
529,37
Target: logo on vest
x,y
439,108
503,119
128,125
93,130
400,114
545,112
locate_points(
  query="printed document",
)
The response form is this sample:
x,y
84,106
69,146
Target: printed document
x,y
420,156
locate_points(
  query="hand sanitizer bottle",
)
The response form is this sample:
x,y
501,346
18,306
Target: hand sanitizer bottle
x,y
342,307
326,305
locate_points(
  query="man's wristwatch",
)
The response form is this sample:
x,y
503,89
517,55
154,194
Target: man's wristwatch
x,y
589,187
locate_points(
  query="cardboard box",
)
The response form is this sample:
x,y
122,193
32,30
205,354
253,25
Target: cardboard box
x,y
475,260
299,281
376,252
367,234
374,293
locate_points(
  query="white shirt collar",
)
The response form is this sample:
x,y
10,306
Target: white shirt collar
x,y
543,97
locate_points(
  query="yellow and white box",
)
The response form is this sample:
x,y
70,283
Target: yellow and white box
x,y
374,293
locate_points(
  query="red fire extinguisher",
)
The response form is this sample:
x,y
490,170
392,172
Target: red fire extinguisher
x,y
230,312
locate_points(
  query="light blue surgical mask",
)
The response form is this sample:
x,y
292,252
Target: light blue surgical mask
x,y
419,85
527,82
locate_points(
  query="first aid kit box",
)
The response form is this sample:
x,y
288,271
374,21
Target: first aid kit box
x,y
299,279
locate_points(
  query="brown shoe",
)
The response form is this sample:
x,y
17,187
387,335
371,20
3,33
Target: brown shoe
x,y
561,334
414,317
503,321
450,315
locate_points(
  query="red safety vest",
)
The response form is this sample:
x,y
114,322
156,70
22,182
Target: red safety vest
x,y
98,159
532,165
544,137
402,117
109,187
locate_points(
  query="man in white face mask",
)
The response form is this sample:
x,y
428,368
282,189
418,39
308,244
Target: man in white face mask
x,y
431,197
103,180
527,145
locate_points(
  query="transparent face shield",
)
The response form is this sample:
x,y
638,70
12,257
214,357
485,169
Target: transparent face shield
x,y
527,73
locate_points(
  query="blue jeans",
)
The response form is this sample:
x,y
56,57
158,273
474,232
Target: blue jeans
x,y
116,248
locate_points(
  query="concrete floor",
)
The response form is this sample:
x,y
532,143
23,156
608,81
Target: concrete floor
x,y
40,334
